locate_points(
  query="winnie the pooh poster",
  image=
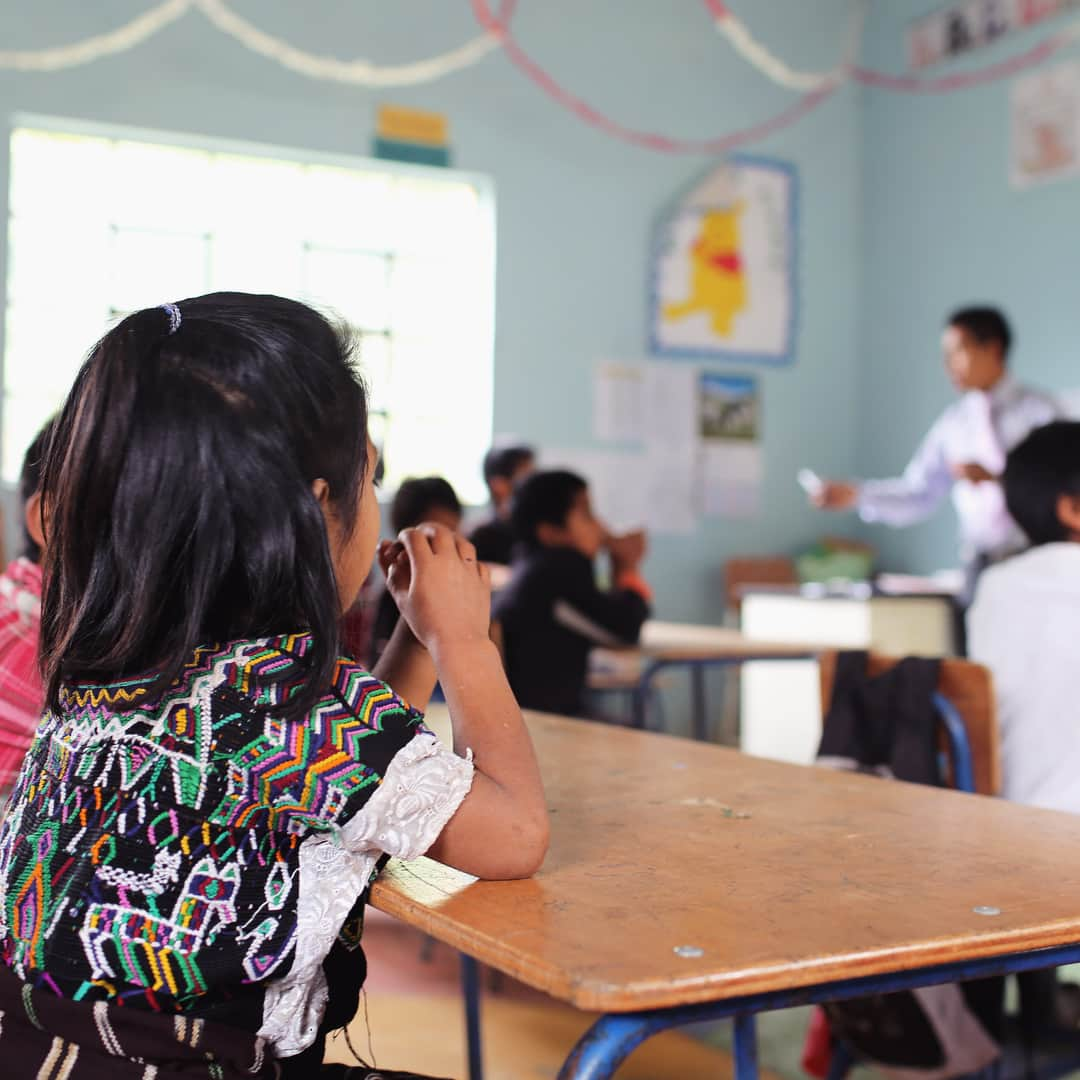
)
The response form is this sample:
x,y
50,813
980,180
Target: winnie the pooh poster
x,y
724,272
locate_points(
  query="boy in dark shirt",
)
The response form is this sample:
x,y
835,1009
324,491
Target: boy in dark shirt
x,y
418,500
504,467
552,613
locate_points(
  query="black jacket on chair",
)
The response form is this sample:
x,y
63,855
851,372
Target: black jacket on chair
x,y
886,723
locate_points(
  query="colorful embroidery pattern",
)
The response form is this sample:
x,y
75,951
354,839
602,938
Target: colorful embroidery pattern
x,y
150,852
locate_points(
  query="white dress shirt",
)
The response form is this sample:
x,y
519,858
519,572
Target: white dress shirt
x,y
960,436
1024,626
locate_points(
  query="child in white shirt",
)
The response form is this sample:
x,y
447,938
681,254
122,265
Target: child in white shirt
x,y
1025,623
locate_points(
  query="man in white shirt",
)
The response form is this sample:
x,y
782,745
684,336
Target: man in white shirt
x,y
1025,623
964,452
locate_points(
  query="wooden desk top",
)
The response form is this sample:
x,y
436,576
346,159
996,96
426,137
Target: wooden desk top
x,y
783,876
686,641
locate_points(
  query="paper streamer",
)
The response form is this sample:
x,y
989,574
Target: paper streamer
x,y
776,69
94,48
500,26
357,72
770,65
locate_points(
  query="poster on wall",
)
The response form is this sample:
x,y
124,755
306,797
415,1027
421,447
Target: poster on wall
x,y
1045,141
731,458
724,271
966,25
691,446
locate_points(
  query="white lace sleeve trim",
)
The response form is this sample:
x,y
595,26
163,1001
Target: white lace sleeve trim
x,y
421,791
423,787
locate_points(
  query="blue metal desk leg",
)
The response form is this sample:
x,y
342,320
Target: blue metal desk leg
x,y
611,1040
606,1045
698,710
643,694
470,986
746,1059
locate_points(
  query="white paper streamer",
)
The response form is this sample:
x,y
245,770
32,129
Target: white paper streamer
x,y
770,65
94,48
357,72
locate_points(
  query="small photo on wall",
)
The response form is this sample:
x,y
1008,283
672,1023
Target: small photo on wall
x,y
723,277
728,407
732,463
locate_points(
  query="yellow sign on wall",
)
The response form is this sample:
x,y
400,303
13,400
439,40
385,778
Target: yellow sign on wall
x,y
400,124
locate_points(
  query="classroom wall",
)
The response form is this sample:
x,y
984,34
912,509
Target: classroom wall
x,y
575,208
942,227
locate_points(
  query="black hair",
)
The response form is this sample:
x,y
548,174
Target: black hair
x,y
545,498
987,325
504,461
178,485
417,497
30,483
1045,466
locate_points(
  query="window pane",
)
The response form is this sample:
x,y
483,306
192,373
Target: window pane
x,y
433,216
44,352
23,418
406,259
442,422
56,267
151,268
257,195
353,284
257,263
373,356
44,183
159,187
349,208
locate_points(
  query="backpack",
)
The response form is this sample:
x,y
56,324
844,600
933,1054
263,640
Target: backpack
x,y
888,724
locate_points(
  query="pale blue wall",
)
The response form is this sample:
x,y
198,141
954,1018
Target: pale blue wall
x,y
943,227
574,207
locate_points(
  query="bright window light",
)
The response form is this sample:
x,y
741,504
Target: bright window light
x,y
104,221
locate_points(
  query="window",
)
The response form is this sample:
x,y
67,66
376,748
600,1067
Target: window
x,y
104,222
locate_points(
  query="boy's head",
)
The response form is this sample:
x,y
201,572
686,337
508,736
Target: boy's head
x,y
30,492
1042,483
429,498
552,509
504,468
976,345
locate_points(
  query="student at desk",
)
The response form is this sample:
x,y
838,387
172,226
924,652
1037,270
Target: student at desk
x,y
423,499
552,612
211,511
964,452
504,468
1024,626
1025,623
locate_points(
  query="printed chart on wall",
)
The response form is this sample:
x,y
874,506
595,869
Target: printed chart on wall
x,y
679,444
724,272
731,459
1046,126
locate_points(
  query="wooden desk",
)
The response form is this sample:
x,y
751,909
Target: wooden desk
x,y
686,882
779,710
666,645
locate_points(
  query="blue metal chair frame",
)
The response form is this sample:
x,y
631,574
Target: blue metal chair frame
x,y
697,668
612,1038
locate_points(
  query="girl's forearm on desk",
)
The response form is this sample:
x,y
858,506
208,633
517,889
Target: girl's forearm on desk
x,y
501,829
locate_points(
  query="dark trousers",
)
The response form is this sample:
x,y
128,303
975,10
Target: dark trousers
x,y
973,570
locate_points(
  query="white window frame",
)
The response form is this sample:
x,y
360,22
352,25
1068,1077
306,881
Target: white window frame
x,y
482,183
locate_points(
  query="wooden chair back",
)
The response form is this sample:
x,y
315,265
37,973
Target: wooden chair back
x,y
970,688
742,571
